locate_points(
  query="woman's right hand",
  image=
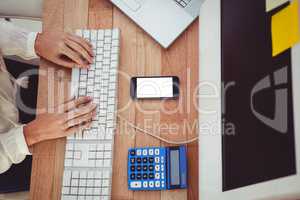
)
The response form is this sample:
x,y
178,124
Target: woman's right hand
x,y
69,118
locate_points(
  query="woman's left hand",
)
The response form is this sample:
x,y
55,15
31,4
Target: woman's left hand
x,y
64,49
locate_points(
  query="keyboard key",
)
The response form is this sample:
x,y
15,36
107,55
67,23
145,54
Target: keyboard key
x,y
145,152
157,159
151,184
132,152
156,151
145,176
157,176
157,167
151,167
132,168
145,160
157,184
132,160
145,184
145,168
138,176
132,176
139,160
151,152
136,184
151,175
151,160
139,168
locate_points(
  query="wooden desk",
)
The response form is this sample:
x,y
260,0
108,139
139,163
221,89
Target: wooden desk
x,y
140,55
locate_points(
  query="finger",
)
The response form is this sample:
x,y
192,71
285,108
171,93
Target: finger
x,y
78,128
74,56
79,49
67,63
79,120
72,104
84,43
89,108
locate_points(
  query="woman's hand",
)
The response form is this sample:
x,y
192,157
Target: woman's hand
x,y
69,118
64,49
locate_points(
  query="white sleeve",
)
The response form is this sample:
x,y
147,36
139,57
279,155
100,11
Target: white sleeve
x,y
17,41
13,148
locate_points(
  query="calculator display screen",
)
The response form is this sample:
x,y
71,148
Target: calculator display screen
x,y
174,168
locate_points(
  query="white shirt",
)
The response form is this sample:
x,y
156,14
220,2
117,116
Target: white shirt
x,y
13,146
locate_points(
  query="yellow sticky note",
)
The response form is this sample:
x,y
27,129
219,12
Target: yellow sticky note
x,y
285,28
271,4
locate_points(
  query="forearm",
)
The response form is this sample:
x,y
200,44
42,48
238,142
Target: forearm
x,y
17,41
13,148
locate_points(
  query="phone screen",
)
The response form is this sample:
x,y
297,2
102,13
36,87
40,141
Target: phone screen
x,y
154,87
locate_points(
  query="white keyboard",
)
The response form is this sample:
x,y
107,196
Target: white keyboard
x,y
89,154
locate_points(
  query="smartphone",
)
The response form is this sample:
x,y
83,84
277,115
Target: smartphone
x,y
154,87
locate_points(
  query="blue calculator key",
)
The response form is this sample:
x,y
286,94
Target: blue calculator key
x,y
132,160
145,176
132,168
139,168
132,176
132,152
151,167
151,175
151,159
139,160
145,168
138,176
145,160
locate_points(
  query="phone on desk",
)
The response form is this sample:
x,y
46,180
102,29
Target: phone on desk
x,y
154,87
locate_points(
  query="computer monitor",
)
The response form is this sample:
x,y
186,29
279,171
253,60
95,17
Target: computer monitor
x,y
247,150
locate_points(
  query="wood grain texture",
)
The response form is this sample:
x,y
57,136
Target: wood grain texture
x,y
140,55
54,87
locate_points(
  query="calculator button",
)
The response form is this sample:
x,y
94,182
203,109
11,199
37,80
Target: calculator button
x,y
132,160
151,184
157,167
145,160
139,152
145,152
145,176
156,151
132,168
145,184
132,176
145,168
157,159
132,152
162,175
162,168
157,176
151,175
138,176
157,184
151,159
136,184
138,160
139,168
151,152
162,159
162,183
151,167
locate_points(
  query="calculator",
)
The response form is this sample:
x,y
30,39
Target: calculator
x,y
157,168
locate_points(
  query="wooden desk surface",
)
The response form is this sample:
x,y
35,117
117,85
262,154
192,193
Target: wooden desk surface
x,y
140,55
